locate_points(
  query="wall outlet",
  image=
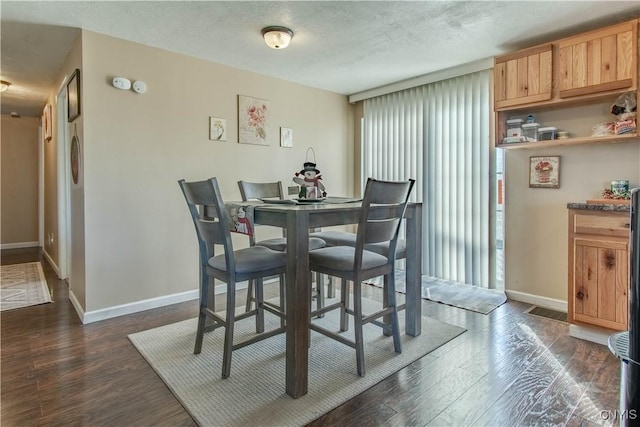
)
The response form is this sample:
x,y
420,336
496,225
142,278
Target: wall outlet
x,y
293,190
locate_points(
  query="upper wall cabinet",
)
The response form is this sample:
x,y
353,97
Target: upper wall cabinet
x,y
598,61
523,77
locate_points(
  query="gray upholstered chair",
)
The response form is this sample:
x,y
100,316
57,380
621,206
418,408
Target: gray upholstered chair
x,y
273,190
212,229
377,226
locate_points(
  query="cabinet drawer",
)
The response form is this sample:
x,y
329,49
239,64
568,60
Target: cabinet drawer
x,y
610,225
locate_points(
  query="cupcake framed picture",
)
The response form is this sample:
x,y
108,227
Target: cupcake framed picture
x,y
544,172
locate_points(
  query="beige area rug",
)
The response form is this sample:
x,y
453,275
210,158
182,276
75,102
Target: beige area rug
x,y
23,285
254,394
474,298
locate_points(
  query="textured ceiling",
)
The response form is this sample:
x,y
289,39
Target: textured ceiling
x,y
344,47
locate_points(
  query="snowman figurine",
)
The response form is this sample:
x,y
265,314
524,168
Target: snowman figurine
x,y
309,180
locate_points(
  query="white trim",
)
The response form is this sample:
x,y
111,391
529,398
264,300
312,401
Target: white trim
x,y
50,260
76,304
591,333
41,186
135,307
19,245
553,304
448,73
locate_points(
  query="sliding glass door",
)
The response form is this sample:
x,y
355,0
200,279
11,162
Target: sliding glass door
x,y
439,135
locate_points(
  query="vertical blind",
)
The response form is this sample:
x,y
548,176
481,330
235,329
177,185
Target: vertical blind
x,y
438,134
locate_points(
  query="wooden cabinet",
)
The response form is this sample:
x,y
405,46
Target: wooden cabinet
x,y
523,77
587,69
599,268
598,61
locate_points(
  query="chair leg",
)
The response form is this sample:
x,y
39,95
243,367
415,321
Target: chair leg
x,y
228,330
395,325
344,293
386,319
283,300
320,290
250,287
357,327
202,316
331,289
259,306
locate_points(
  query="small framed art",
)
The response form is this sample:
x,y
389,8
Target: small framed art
x,y
73,96
286,137
544,172
46,122
217,129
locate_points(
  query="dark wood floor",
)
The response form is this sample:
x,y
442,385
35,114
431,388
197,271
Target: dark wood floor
x,y
509,369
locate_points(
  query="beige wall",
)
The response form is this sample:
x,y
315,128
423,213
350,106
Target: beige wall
x,y
19,153
139,239
536,247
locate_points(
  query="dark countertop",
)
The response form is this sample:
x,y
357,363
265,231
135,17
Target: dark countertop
x,y
599,207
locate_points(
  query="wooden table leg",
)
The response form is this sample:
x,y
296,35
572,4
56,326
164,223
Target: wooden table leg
x,y
298,296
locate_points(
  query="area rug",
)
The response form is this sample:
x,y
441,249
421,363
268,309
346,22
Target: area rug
x,y
254,394
22,285
474,298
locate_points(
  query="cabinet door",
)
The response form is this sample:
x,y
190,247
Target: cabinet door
x,y
601,283
523,77
598,61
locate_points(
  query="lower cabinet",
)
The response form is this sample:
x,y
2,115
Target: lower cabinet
x,y
599,268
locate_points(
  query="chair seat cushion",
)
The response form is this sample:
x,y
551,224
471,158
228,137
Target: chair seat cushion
x,y
336,238
341,258
280,243
341,238
383,248
250,260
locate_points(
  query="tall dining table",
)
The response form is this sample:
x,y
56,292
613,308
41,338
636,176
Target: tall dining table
x,y
298,219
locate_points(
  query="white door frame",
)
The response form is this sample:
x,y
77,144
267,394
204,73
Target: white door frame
x,y
64,183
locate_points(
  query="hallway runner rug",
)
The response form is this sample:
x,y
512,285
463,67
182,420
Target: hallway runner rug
x,y
254,394
23,285
474,298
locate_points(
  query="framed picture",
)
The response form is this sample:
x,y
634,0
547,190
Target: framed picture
x,y
286,137
253,120
217,129
544,172
73,96
46,122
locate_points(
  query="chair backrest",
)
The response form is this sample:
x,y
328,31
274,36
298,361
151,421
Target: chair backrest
x,y
210,218
261,190
383,207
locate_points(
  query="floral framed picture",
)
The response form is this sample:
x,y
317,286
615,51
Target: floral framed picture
x,y
544,172
73,96
253,120
286,137
217,129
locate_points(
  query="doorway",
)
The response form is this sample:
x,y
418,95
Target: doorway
x,y
64,183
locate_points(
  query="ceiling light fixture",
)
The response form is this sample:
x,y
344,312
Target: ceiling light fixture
x,y
4,85
277,37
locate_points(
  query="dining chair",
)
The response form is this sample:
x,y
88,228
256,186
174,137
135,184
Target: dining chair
x,y
273,190
383,207
211,221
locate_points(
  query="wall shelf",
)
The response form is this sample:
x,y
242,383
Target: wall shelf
x,y
611,139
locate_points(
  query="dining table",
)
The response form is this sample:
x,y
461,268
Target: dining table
x,y
298,218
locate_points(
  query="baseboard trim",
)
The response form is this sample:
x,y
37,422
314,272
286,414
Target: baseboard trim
x,y
19,245
51,263
138,306
591,333
77,306
553,304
